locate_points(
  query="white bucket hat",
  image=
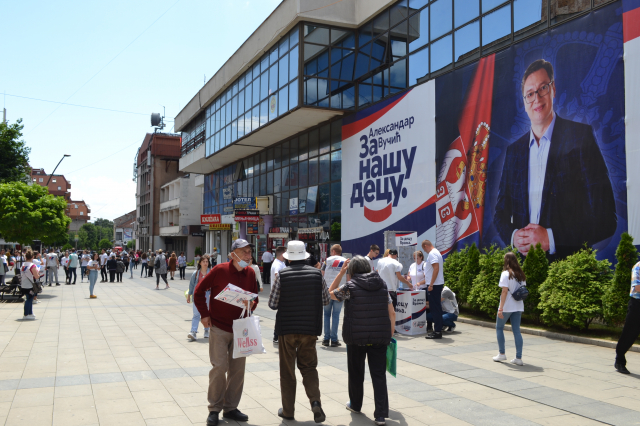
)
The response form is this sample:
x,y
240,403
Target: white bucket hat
x,y
295,251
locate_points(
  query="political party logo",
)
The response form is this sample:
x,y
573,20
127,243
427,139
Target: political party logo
x,y
461,185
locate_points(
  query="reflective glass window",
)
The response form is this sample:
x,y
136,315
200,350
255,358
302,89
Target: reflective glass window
x,y
465,11
234,108
273,106
293,176
441,53
223,116
241,126
349,98
336,193
269,159
314,34
264,85
381,23
285,153
285,178
336,135
273,56
398,76
324,139
263,161
241,103
440,18
273,79
293,150
303,174
324,198
255,118
263,185
324,169
293,94
277,156
313,171
293,63
293,38
467,39
283,68
264,112
414,5
284,45
364,34
314,138
343,38
277,180
247,97
303,146
256,92
526,13
365,92
362,61
398,38
270,183
247,123
378,52
496,25
336,165
487,5
283,99
264,63
256,70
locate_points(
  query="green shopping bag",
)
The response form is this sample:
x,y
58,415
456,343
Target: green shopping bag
x,y
392,357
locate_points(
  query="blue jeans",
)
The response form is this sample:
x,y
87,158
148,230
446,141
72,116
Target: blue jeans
x,y
196,315
515,317
332,315
83,271
93,277
28,303
131,265
72,271
448,320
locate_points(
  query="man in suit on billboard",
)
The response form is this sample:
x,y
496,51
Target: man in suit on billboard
x,y
555,188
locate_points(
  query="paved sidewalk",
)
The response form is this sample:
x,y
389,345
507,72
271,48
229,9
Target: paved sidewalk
x,y
124,359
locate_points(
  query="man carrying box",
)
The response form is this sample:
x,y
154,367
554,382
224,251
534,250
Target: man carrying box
x,y
226,378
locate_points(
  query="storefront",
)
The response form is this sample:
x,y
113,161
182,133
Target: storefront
x,y
316,240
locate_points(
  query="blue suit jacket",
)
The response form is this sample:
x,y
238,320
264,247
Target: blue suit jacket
x,y
577,198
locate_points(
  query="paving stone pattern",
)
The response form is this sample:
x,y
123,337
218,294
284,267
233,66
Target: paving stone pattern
x,y
124,359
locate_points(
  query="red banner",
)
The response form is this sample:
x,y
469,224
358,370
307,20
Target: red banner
x,y
208,219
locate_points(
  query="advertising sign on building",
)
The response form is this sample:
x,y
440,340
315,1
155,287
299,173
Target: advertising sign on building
x,y
293,205
252,227
245,203
247,218
406,239
220,227
388,169
208,219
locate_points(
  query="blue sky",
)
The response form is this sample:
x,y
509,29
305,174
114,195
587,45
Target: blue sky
x,y
52,50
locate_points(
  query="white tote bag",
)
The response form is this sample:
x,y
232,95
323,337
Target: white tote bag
x,y
247,339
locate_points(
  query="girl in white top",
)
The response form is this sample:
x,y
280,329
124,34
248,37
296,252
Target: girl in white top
x,y
511,279
28,275
416,272
93,266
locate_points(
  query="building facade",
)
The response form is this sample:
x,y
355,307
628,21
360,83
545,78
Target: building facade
x,y
123,228
361,117
156,164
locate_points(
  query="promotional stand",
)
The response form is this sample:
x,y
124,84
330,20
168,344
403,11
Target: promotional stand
x,y
411,312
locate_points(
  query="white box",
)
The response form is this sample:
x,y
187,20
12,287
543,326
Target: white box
x,y
411,312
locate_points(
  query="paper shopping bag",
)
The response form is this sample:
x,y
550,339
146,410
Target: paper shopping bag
x,y
392,357
247,339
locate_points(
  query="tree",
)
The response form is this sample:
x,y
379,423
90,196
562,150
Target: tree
x,y
485,292
571,295
452,268
14,154
104,244
104,227
30,213
335,232
616,297
130,244
469,272
92,235
535,267
198,251
67,246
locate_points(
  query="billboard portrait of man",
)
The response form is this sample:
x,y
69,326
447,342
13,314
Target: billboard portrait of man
x,y
555,187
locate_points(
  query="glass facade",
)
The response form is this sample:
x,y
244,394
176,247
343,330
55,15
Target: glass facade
x,y
265,91
307,167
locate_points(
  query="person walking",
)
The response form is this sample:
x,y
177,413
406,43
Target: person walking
x,y
4,267
330,269
132,263
103,265
511,279
173,263
299,294
267,260
434,277
143,262
29,273
374,251
73,266
182,265
120,268
151,261
112,267
160,264
93,266
52,267
369,324
125,260
202,268
65,265
37,260
256,269
276,267
226,378
84,261
631,328
390,270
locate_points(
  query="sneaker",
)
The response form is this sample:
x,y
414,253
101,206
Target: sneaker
x,y
37,301
434,335
31,317
335,344
192,336
348,407
517,361
500,357
275,340
451,329
206,334
621,368
93,296
380,421
325,342
57,283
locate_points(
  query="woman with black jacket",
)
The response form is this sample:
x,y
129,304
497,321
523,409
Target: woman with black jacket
x,y
112,266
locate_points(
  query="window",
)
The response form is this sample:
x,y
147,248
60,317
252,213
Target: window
x,y
54,180
81,213
41,179
59,188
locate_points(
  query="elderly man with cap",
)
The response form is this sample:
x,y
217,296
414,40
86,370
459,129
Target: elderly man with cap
x,y
226,378
299,294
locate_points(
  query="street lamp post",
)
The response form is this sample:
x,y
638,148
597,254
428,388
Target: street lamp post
x,y
54,170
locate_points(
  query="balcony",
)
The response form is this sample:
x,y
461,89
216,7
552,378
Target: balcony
x,y
170,205
169,231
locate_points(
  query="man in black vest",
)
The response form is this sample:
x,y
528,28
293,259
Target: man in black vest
x,y
299,294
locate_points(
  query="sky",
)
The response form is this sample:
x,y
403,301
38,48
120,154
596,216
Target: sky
x,y
130,56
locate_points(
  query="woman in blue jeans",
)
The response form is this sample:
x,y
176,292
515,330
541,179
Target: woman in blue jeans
x,y
94,267
198,275
511,279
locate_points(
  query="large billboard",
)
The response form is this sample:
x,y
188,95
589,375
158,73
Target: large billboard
x,y
388,170
530,143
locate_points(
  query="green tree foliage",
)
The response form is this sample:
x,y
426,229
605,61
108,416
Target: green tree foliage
x,y
30,213
617,295
104,244
14,154
92,235
469,272
535,267
336,231
67,246
131,244
572,293
104,228
452,268
485,293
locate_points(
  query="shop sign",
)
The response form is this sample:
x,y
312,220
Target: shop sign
x,y
227,193
247,218
293,205
252,228
314,230
228,209
405,239
245,203
280,230
197,234
247,212
207,219
220,227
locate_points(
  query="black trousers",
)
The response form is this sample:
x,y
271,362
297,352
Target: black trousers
x,y
394,299
143,270
112,276
119,276
149,270
182,272
630,331
266,272
163,276
377,358
435,306
126,266
72,271
103,273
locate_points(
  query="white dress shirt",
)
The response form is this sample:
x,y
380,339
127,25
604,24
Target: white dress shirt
x,y
538,156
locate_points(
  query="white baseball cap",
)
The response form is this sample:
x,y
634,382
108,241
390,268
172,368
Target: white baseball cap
x,y
296,251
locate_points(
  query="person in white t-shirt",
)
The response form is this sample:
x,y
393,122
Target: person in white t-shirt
x,y
511,279
390,270
330,270
278,265
85,259
52,267
374,251
103,266
434,276
416,272
267,259
65,264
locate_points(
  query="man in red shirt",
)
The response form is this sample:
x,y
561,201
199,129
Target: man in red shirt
x,y
226,378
